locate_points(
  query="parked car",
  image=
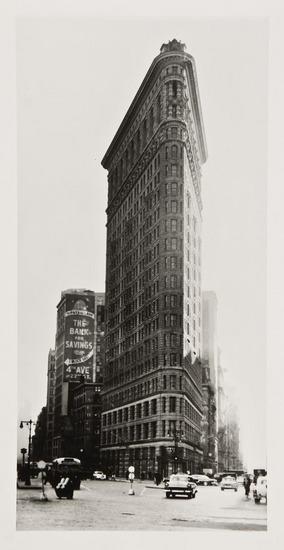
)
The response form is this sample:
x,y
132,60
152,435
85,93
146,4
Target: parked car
x,y
229,482
99,475
180,484
260,489
213,482
202,479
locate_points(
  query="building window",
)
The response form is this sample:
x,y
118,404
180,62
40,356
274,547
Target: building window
x,y
174,207
174,188
146,408
138,142
173,359
173,381
173,225
173,262
164,402
174,150
151,120
173,281
154,406
173,320
173,243
144,131
159,108
164,382
172,404
146,431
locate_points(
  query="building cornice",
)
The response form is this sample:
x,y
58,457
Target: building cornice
x,y
163,59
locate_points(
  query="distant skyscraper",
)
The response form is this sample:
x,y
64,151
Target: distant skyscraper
x,y
152,395
77,351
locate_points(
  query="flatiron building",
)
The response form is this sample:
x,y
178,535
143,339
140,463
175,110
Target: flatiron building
x,y
152,392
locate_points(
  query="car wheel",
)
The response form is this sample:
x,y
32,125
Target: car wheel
x,y
222,488
167,495
193,496
257,500
236,490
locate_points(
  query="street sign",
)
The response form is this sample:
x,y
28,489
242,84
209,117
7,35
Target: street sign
x,y
41,465
131,469
131,476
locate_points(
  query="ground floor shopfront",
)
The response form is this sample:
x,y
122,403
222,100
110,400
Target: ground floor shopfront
x,y
149,460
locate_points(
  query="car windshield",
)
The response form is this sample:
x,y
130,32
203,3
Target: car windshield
x,y
229,479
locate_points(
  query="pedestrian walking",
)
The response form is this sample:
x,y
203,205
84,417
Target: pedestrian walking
x,y
247,484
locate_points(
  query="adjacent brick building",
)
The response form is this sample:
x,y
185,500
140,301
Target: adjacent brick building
x,y
152,394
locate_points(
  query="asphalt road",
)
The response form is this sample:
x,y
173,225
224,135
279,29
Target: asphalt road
x,y
106,505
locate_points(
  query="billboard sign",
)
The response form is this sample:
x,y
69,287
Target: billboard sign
x,y
79,343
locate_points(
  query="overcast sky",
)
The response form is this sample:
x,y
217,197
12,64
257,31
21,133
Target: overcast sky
x,y
75,81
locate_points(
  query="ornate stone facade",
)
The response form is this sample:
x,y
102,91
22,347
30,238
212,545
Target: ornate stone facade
x,y
152,395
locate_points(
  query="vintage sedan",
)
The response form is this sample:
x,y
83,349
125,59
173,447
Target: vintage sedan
x,y
202,479
180,484
229,482
260,489
99,475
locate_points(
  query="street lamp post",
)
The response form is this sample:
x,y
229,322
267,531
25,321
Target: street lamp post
x,y
28,423
23,451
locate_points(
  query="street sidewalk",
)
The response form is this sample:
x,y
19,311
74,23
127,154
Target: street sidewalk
x,y
35,484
